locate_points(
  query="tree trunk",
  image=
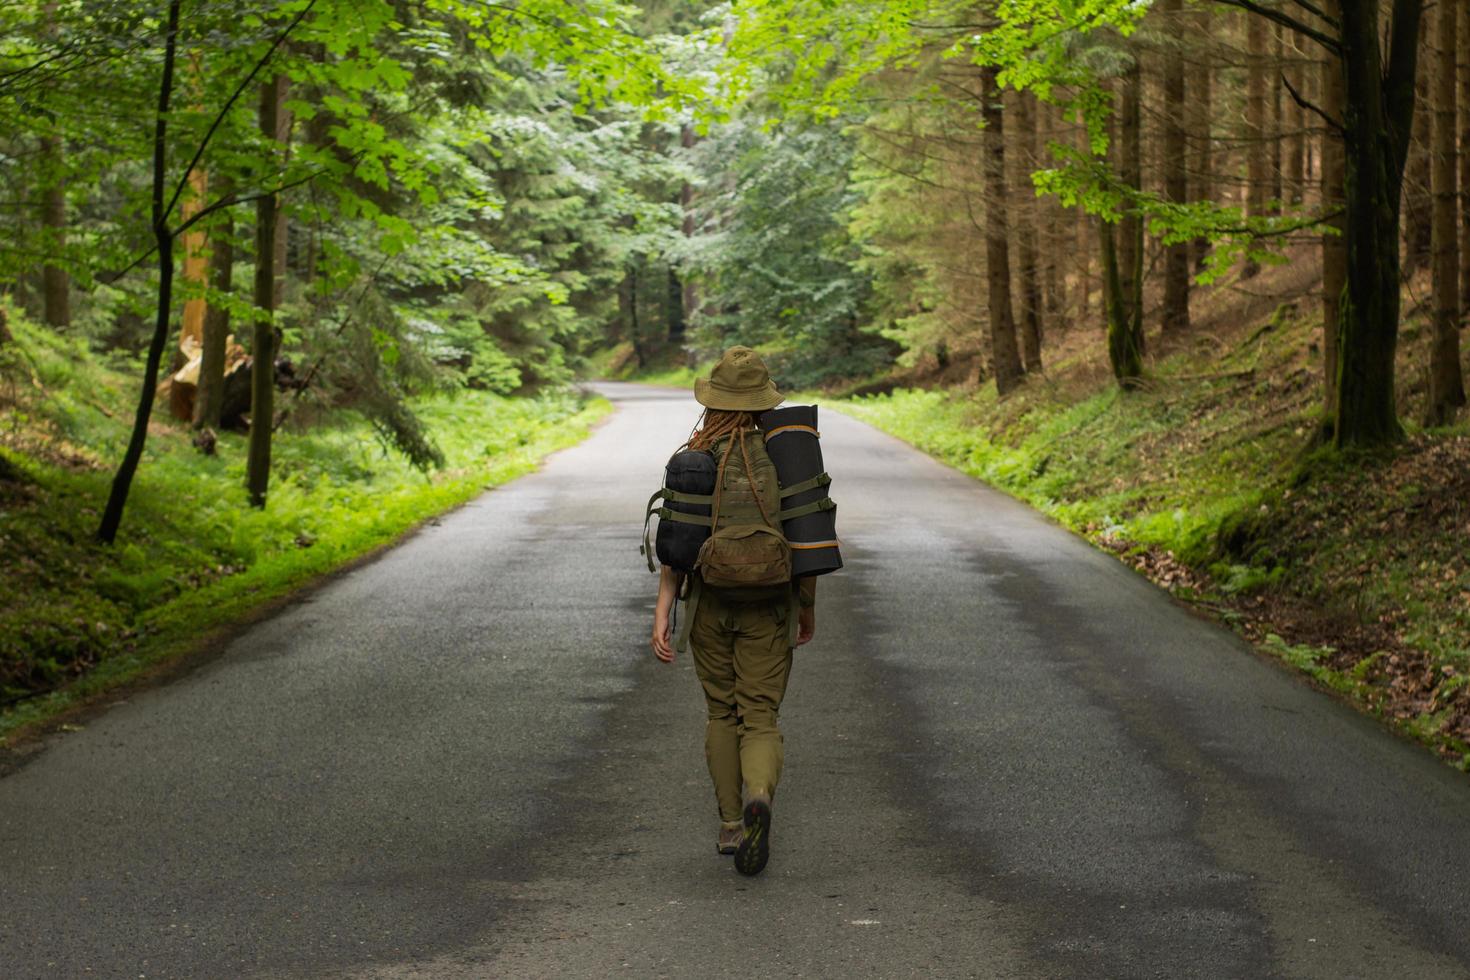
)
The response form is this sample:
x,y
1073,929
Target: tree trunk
x,y
689,298
1295,122
1199,85
1418,196
1463,46
195,265
1124,353
1004,352
1025,197
675,305
1334,247
55,282
163,236
1255,126
1176,189
1378,120
1130,228
1446,384
1277,124
628,312
210,394
262,348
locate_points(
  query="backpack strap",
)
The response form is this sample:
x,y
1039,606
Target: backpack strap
x,y
645,549
696,588
826,503
820,480
714,514
665,514
750,478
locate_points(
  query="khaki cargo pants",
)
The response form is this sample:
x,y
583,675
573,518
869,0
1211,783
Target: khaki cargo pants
x,y
742,654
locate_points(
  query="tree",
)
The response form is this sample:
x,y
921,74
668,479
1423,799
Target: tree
x,y
274,127
209,398
55,282
1255,127
1446,385
1176,189
1417,193
1377,122
164,235
1005,355
1025,197
1463,102
1200,85
1334,243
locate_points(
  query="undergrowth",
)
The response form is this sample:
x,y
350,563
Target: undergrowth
x,y
1352,569
77,617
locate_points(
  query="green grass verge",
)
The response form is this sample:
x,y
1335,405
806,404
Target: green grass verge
x,y
1099,465
79,618
1352,570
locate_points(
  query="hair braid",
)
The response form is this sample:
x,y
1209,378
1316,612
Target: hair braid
x,y
716,424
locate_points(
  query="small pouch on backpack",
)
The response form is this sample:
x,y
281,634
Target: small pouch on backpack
x,y
743,556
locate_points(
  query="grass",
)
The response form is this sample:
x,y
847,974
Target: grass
x,y
1350,569
79,618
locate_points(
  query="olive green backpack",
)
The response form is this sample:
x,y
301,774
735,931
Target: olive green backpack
x,y
746,549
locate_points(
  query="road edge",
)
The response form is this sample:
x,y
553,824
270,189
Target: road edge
x,y
170,657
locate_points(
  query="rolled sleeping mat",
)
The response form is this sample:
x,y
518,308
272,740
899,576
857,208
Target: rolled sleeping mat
x,y
684,518
808,514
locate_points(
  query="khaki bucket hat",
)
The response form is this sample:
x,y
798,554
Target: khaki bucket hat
x,y
739,383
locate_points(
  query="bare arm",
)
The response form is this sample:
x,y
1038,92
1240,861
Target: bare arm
x,y
668,591
806,620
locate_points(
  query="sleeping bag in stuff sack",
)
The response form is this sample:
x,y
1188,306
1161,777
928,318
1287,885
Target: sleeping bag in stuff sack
x,y
808,514
689,486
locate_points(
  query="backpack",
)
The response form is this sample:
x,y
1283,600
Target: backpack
x,y
746,549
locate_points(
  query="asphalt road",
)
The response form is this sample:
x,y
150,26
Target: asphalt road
x,y
1007,756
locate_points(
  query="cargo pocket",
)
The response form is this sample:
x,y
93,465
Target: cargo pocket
x,y
745,556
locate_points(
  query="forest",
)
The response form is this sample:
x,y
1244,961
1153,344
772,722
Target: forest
x,y
280,280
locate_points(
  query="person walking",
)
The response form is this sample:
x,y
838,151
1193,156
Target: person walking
x,y
743,636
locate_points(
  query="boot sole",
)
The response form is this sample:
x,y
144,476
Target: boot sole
x,y
755,846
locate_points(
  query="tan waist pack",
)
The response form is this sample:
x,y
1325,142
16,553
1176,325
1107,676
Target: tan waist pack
x,y
745,549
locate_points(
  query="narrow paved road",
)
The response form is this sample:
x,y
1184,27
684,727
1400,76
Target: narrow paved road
x,y
1007,756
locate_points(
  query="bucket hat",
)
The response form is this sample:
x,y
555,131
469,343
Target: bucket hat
x,y
738,383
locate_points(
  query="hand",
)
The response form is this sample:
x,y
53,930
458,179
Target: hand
x,y
806,625
662,634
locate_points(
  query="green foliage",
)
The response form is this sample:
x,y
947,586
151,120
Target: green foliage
x,y
772,251
195,554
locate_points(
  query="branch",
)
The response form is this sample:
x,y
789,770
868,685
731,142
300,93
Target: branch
x,y
222,203
1330,43
234,97
1319,13
234,199
1280,231
1310,106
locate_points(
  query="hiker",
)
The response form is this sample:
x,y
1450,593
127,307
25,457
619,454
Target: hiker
x,y
743,630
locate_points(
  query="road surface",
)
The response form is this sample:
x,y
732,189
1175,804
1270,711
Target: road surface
x,y
1007,756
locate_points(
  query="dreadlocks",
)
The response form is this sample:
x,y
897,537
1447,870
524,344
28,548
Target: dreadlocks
x,y
715,424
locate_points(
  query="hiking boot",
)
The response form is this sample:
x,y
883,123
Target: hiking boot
x,y
730,834
755,840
